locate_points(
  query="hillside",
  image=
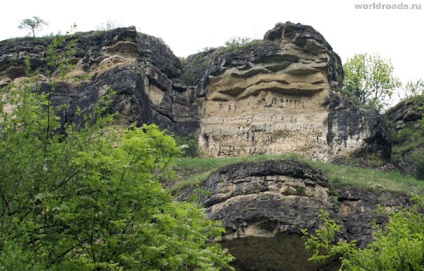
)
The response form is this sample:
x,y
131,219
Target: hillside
x,y
266,119
264,202
405,122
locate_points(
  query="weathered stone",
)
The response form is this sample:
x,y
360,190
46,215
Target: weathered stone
x,y
278,97
264,206
274,96
405,120
140,68
352,130
269,97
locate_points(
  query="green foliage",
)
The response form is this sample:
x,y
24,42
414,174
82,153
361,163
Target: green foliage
x,y
185,75
418,153
414,88
417,159
237,42
370,80
408,139
399,245
89,199
32,24
188,145
58,56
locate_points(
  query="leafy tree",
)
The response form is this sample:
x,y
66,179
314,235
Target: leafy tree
x,y
89,199
370,79
32,24
399,245
414,88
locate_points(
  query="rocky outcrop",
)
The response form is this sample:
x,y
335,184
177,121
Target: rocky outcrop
x,y
354,131
140,68
267,97
264,206
272,96
277,96
405,122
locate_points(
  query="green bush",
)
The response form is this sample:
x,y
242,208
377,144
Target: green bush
x,y
90,199
399,245
188,145
418,161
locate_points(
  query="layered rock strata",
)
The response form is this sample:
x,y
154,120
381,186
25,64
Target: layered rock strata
x,y
141,69
267,97
264,206
277,96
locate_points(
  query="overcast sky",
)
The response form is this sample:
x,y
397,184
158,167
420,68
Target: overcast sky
x,y
188,26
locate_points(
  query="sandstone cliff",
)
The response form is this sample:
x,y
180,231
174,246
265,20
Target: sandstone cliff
x,y
268,97
277,96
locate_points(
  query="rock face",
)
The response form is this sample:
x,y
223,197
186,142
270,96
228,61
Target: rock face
x,y
264,206
405,122
277,96
140,68
267,97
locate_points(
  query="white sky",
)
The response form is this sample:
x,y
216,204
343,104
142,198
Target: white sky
x,y
188,26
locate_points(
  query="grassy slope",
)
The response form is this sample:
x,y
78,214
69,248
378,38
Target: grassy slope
x,y
192,171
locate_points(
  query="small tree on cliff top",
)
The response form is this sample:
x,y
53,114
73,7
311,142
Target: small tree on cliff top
x,y
32,24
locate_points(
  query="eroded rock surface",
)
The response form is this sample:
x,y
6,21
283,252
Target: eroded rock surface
x,y
264,206
141,69
273,96
268,97
277,96
405,121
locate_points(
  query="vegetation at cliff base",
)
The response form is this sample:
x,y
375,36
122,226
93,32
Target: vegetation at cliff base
x,y
399,245
89,198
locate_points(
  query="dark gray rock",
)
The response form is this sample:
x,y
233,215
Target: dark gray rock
x,y
264,206
121,60
405,122
347,122
307,37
